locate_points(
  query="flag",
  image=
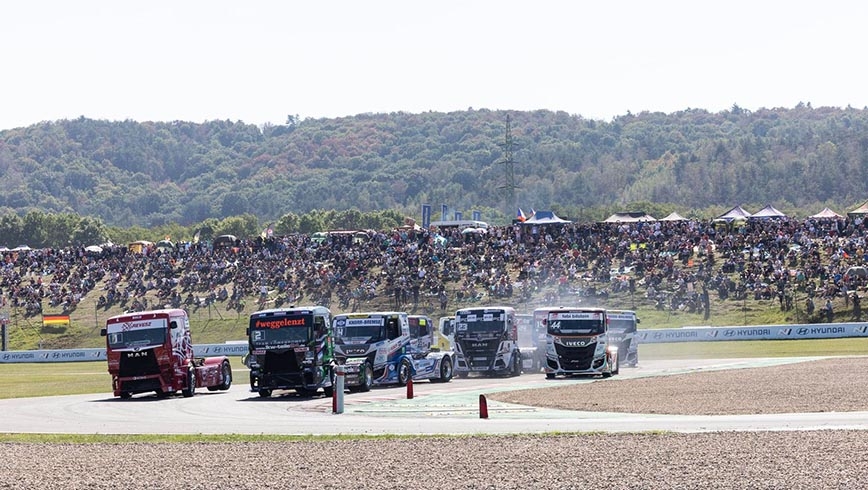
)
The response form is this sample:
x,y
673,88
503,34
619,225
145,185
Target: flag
x,y
532,213
268,231
55,319
196,236
521,217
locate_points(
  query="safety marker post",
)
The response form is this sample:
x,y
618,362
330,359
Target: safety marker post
x,y
338,390
483,407
410,389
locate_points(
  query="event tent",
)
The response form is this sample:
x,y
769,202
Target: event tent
x,y
860,211
736,213
545,218
768,212
674,216
826,213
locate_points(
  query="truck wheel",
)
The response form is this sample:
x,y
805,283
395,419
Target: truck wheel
x,y
190,390
227,376
367,377
126,395
264,393
550,375
516,364
405,371
445,370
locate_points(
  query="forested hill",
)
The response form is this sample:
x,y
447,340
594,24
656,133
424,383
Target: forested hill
x,y
694,161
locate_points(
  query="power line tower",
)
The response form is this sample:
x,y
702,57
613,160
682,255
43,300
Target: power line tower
x,y
509,166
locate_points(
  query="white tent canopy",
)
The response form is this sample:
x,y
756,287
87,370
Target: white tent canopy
x,y
768,212
630,217
826,213
545,218
673,216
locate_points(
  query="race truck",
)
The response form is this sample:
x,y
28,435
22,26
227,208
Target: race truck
x,y
622,333
373,349
486,341
577,342
429,362
152,351
445,334
291,349
532,355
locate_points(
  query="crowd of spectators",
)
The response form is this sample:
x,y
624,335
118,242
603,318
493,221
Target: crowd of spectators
x,y
678,265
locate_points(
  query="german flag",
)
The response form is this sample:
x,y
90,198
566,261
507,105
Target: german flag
x,y
55,319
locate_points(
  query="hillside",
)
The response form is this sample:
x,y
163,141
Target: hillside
x,y
147,174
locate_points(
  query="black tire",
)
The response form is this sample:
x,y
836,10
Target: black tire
x,y
190,389
126,395
516,364
405,372
445,370
550,375
264,393
226,369
367,375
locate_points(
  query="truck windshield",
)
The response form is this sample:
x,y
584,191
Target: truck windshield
x,y
575,324
280,331
622,325
139,337
487,323
418,327
360,331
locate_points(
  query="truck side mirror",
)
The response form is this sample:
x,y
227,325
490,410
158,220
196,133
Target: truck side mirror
x,y
102,332
247,332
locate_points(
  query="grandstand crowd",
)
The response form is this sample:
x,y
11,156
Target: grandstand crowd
x,y
674,264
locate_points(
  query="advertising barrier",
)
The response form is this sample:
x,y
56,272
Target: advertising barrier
x,y
753,332
83,355
644,336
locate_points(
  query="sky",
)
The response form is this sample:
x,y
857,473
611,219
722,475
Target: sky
x,y
261,61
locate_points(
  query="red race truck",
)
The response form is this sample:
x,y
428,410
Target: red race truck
x,y
152,351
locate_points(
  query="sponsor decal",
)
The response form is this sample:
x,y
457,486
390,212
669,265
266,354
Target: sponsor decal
x,y
279,323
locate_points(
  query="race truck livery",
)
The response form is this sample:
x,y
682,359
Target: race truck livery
x,y
291,349
373,348
152,351
429,361
622,334
532,355
486,341
577,342
445,334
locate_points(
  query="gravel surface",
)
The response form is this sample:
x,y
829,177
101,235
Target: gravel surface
x,y
722,460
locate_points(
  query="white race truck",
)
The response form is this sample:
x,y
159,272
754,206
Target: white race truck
x,y
577,342
622,333
430,361
486,341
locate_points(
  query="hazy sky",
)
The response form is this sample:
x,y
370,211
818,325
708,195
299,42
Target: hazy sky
x,y
259,61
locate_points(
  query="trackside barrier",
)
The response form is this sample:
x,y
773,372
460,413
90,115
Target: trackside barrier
x,y
98,354
645,336
410,389
753,332
483,407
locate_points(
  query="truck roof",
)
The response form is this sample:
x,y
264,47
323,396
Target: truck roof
x,y
294,309
149,313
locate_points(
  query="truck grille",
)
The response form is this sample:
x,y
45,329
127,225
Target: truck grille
x,y
575,358
285,362
138,363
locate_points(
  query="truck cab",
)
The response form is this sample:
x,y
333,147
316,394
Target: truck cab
x,y
577,342
429,361
622,333
486,341
152,351
373,348
291,349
